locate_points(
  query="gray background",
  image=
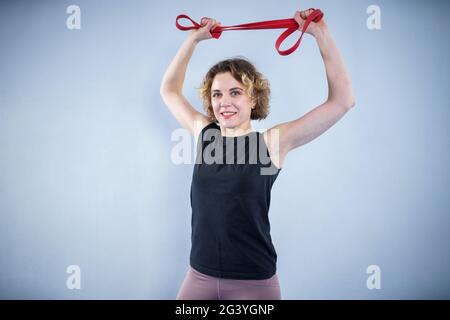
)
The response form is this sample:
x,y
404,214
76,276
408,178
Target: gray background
x,y
85,149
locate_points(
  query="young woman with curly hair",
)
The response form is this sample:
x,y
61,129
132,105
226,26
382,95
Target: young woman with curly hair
x,y
232,255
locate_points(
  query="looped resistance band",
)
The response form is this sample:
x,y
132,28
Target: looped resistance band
x,y
290,24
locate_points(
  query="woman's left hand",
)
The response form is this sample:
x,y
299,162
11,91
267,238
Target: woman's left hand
x,y
314,27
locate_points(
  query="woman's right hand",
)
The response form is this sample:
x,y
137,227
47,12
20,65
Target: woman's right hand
x,y
204,33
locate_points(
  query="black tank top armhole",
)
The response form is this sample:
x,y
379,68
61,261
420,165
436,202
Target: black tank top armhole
x,y
208,126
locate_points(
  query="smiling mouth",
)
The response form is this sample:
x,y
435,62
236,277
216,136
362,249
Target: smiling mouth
x,y
227,114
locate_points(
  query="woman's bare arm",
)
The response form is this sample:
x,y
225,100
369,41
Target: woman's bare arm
x,y
171,89
340,99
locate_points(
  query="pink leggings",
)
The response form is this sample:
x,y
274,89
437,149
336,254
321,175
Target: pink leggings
x,y
199,286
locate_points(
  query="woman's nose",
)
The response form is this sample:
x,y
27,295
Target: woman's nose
x,y
225,101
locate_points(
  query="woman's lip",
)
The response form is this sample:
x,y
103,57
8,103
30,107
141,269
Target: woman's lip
x,y
228,116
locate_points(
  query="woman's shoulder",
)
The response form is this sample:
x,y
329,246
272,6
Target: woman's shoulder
x,y
271,140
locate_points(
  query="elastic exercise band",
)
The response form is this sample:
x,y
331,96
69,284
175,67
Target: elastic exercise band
x,y
290,24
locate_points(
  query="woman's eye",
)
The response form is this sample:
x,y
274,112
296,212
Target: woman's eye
x,y
235,93
215,95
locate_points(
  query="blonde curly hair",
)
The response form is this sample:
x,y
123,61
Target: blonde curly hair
x,y
257,87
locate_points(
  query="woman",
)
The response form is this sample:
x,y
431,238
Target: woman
x,y
232,255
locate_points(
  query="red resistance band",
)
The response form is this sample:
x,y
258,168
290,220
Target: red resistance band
x,y
290,24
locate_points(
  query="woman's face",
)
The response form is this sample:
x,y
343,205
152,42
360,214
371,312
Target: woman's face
x,y
230,102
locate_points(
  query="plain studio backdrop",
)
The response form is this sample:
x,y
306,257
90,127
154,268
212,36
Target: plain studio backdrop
x,y
87,178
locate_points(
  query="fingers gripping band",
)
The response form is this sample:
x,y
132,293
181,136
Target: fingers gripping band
x,y
289,24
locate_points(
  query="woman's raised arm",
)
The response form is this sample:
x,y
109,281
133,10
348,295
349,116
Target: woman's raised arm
x,y
340,99
171,89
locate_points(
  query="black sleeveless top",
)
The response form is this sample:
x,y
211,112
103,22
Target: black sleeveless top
x,y
230,199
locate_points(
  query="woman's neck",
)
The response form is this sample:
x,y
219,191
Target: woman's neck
x,y
236,131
